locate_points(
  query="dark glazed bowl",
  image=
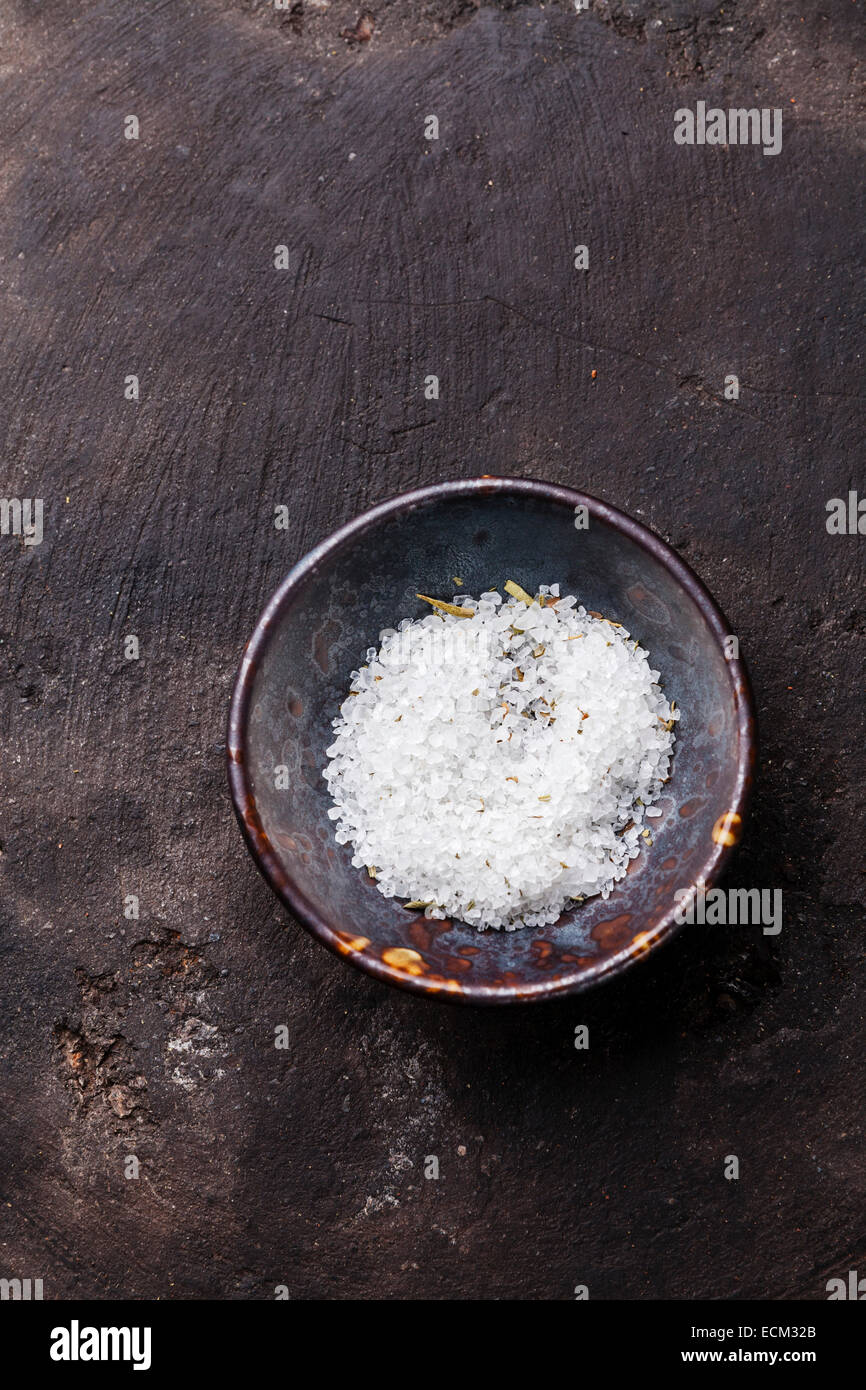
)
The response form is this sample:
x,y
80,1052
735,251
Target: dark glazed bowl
x,y
315,631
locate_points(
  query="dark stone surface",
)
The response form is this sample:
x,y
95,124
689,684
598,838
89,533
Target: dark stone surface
x,y
155,1037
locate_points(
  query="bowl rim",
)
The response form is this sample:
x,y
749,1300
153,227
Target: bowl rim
x,y
350,948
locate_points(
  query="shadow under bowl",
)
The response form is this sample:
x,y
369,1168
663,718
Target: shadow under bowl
x,y
315,631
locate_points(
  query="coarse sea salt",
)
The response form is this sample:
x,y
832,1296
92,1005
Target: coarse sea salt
x,y
497,766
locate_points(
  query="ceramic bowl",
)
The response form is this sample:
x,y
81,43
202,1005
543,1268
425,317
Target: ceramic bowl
x,y
315,631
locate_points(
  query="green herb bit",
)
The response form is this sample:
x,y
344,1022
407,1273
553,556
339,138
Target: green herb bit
x,y
516,592
447,607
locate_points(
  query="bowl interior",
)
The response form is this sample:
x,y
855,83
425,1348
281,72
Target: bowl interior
x,y
317,632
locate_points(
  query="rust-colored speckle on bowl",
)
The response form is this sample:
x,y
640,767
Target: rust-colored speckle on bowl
x,y
402,958
727,828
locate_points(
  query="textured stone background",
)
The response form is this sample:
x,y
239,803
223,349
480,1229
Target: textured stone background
x,y
258,387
